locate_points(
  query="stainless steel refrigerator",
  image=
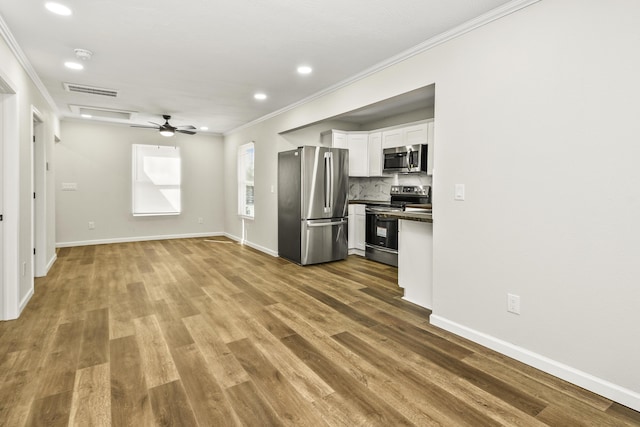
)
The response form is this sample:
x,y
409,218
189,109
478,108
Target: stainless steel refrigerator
x,y
313,184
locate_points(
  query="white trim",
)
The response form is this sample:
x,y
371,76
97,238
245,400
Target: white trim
x,y
24,62
484,19
585,380
50,263
11,205
252,245
137,239
26,300
38,179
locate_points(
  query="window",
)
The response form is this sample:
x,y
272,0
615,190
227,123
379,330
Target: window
x,y
156,180
245,180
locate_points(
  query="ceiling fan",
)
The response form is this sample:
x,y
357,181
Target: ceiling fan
x,y
166,129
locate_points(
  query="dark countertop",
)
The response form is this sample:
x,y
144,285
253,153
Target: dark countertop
x,y
411,216
368,202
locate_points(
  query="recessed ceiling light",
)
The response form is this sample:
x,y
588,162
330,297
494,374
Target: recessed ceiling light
x,y
86,116
304,69
57,8
74,65
260,96
204,128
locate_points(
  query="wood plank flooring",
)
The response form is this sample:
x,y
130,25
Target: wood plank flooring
x,y
206,332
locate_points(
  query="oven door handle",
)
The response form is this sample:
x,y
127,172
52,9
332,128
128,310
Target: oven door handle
x,y
380,248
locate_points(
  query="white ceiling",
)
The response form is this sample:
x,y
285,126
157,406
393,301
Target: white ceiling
x,y
202,60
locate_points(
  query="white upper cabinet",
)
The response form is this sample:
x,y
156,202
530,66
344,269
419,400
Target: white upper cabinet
x,y
358,144
375,154
338,139
392,138
418,133
365,148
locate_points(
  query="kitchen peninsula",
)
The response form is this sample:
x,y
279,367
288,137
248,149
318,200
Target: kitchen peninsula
x,y
415,255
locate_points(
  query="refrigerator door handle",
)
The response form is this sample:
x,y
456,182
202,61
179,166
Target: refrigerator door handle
x,y
326,223
328,181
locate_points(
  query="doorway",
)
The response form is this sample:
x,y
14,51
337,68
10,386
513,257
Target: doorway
x,y
38,202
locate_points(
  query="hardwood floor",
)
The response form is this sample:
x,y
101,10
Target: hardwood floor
x,y
208,332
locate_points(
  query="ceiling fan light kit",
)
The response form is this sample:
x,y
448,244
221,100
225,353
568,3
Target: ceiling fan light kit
x,y
166,129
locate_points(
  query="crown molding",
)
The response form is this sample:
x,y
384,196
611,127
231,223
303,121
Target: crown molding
x,y
26,65
484,19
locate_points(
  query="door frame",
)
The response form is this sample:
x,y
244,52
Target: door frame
x,y
10,141
38,186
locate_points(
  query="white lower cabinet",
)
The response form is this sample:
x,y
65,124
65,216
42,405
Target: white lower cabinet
x,y
357,224
415,261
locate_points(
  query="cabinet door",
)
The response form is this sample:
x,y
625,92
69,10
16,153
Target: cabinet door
x,y
358,144
416,134
392,138
375,154
339,140
359,232
351,241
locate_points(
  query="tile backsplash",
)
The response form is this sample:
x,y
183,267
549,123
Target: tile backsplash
x,y
379,188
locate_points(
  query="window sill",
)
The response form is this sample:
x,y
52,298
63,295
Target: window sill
x,y
157,214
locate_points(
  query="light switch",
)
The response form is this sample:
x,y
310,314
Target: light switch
x,y
459,192
69,186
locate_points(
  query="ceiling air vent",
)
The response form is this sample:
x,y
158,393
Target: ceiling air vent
x,y
92,90
103,113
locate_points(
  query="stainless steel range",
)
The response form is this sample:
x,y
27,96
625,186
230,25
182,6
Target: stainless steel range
x,y
381,232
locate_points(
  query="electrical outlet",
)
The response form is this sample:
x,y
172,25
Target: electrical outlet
x,y
92,225
200,220
513,303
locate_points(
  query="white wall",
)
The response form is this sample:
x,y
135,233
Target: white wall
x,y
537,116
18,198
97,157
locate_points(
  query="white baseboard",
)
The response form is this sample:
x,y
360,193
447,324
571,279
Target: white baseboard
x,y
50,263
592,383
136,239
252,245
354,251
419,302
25,301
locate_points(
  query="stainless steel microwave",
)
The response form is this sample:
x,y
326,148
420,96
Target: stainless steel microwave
x,y
405,159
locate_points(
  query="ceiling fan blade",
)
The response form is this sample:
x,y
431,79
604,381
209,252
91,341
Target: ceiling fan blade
x,y
145,126
157,124
187,127
188,132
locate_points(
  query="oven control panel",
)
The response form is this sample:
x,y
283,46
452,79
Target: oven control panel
x,y
410,190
